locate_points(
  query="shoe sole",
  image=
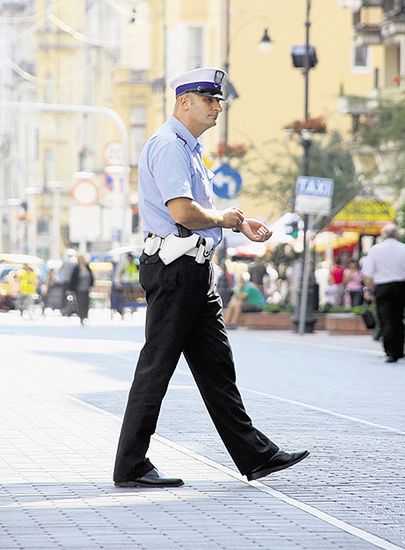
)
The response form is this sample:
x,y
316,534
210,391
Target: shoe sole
x,y
141,484
270,470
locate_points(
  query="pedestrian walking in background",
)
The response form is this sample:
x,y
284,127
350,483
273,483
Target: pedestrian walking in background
x,y
336,280
224,282
28,281
80,283
384,275
322,279
184,311
257,271
65,274
353,281
130,272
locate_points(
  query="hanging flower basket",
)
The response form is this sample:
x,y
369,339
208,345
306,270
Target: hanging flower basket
x,y
316,125
238,150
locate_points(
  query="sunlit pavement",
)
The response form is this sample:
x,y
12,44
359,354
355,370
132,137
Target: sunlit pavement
x,y
63,390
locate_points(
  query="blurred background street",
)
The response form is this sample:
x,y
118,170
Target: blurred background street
x,y
63,391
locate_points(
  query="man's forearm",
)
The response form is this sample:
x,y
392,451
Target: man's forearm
x,y
192,215
197,217
368,282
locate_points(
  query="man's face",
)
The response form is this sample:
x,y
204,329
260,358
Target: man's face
x,y
204,111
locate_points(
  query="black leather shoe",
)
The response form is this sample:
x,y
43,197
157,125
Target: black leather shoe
x,y
279,461
391,359
153,478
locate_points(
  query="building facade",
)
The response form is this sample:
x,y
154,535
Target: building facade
x,y
122,55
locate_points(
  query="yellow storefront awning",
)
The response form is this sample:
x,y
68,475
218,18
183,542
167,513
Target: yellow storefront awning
x,y
363,216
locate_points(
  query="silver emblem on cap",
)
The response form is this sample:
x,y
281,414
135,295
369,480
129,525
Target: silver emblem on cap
x,y
219,76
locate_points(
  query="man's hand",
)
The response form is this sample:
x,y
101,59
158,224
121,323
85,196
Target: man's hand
x,y
255,230
232,218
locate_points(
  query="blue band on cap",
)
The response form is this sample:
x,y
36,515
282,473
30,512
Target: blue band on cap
x,y
194,85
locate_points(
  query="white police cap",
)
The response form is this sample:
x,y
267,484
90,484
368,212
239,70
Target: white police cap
x,y
207,81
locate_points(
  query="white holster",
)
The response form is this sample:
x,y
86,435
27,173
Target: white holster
x,y
173,247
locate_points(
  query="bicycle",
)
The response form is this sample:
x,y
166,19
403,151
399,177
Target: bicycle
x,y
30,306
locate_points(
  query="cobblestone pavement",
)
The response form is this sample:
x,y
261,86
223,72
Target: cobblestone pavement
x,y
62,393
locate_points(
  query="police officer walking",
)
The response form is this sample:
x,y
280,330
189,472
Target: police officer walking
x,y
184,313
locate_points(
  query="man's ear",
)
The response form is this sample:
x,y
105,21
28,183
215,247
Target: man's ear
x,y
185,102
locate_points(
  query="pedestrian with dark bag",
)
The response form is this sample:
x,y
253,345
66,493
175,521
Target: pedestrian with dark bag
x,y
79,286
384,275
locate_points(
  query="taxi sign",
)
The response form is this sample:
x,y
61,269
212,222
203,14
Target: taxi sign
x,y
313,195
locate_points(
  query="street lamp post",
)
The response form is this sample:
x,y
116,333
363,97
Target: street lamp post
x,y
304,315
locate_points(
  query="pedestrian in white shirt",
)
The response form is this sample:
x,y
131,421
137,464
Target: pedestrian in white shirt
x,y
384,275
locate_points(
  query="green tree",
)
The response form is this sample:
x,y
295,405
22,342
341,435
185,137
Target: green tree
x,y
401,221
273,178
384,131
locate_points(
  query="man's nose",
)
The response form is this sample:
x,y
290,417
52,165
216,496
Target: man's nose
x,y
218,106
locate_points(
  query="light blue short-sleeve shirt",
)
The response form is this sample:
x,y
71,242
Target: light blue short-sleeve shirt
x,y
171,166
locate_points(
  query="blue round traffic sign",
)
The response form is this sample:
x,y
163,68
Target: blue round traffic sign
x,y
227,182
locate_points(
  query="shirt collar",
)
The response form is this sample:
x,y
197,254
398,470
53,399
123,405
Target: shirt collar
x,y
185,133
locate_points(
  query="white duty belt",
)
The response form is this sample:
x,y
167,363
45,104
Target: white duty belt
x,y
172,247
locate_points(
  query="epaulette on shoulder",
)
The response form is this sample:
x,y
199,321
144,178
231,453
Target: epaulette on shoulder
x,y
182,139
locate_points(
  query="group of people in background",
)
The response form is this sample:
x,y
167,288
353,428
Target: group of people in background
x,y
378,279
340,285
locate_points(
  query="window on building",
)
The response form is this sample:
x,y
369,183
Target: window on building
x,y
361,59
137,134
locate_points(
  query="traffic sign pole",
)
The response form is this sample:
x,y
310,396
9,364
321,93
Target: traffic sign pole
x,y
313,197
305,280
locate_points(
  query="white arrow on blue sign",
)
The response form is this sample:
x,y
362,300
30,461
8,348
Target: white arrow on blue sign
x,y
313,195
227,182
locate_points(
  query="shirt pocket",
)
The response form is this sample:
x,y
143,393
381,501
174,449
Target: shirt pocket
x,y
203,182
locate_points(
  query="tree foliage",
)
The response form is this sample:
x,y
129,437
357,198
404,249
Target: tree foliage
x,y
273,178
386,124
384,131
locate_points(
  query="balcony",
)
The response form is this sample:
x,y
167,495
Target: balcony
x,y
366,33
356,105
392,28
371,3
393,9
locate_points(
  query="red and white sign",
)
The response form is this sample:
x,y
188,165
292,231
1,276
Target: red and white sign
x,y
85,192
113,154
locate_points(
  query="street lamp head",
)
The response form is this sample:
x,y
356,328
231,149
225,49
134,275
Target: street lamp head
x,y
266,42
299,55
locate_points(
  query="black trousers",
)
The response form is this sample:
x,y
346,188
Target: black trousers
x,y
390,301
184,315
